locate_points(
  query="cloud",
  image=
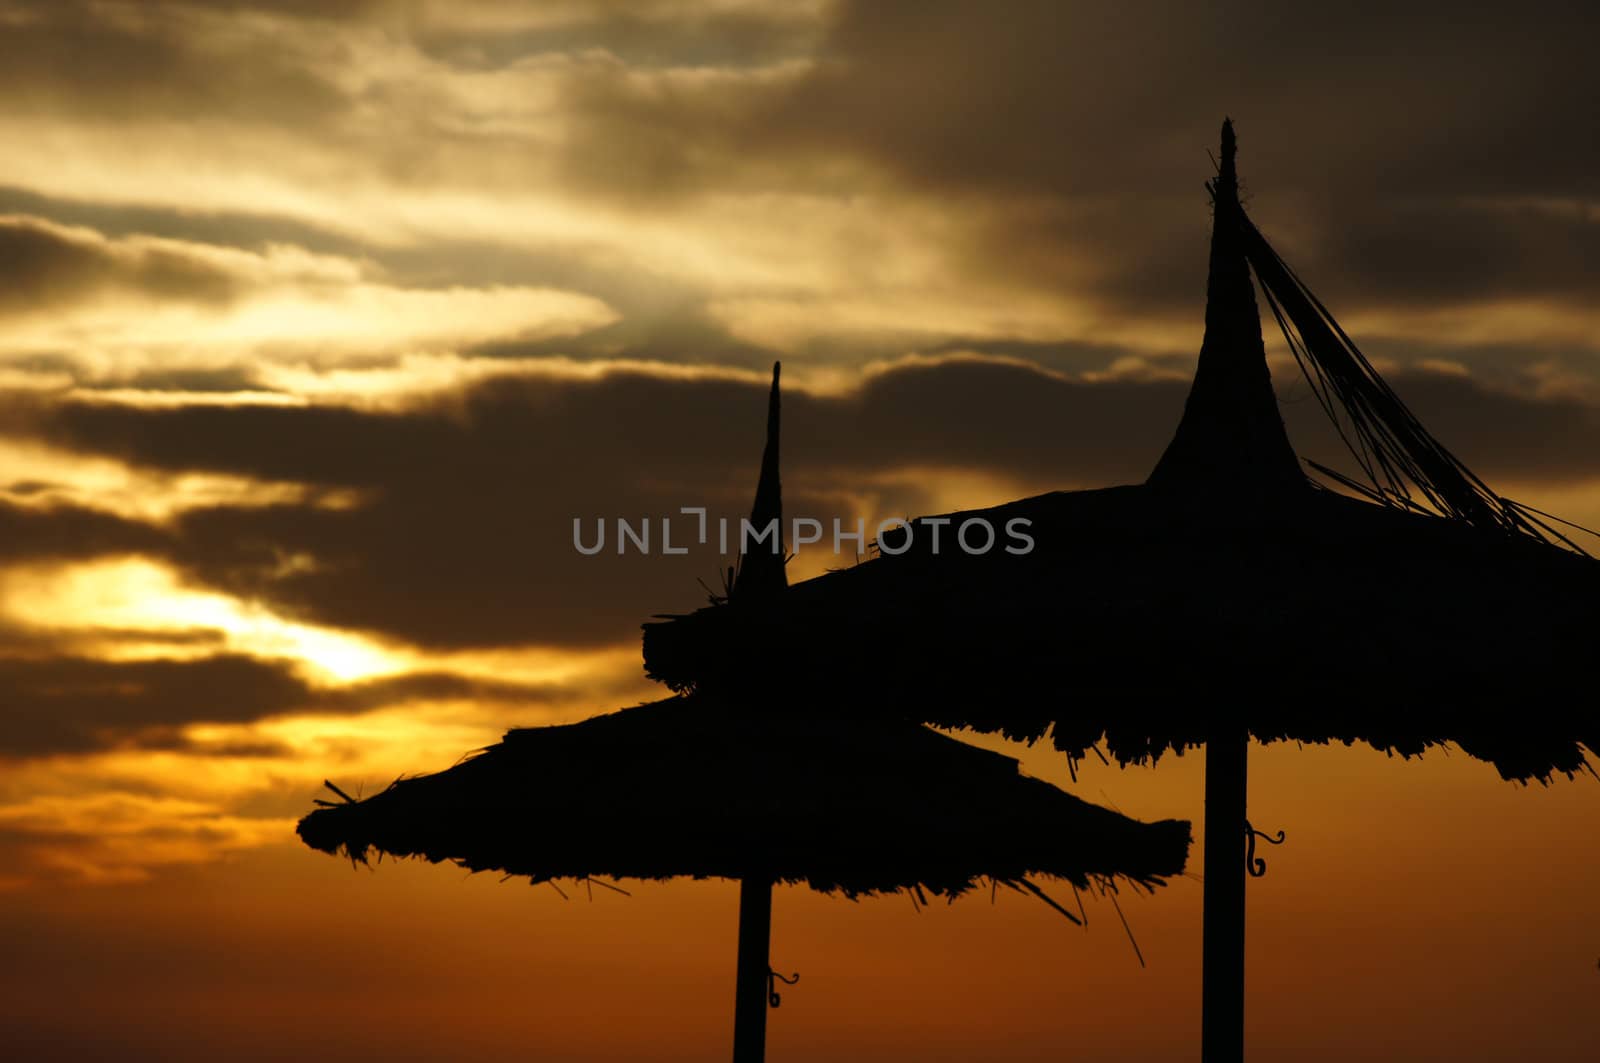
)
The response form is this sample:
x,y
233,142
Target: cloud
x,y
137,304
326,320
1089,98
83,488
152,62
82,704
114,838
48,266
650,33
76,705
66,531
846,180
463,533
115,770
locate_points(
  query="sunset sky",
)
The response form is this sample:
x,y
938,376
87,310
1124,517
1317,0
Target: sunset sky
x,y
321,321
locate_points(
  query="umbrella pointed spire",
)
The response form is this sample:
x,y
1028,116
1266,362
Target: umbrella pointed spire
x,y
761,565
1231,435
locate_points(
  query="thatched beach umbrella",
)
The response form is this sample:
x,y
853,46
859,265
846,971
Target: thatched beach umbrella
x,y
1228,596
731,784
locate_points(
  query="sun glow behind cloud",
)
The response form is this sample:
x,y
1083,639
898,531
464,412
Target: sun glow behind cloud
x,y
134,596
470,268
136,303
42,477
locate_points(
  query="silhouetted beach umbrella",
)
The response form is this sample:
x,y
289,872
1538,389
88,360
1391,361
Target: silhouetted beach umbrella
x,y
1228,596
724,786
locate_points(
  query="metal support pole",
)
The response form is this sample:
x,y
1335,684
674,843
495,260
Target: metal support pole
x,y
1222,977
750,998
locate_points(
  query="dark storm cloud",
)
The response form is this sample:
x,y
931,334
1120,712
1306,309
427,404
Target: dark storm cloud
x,y
43,266
77,704
230,378
1390,149
1365,131
63,533
466,535
1146,259
320,10
1390,146
226,228
649,141
1507,437
640,34
1075,135
1458,253
143,61
1089,97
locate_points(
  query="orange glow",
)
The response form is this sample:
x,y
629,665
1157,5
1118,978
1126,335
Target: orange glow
x,y
423,959
141,596
321,323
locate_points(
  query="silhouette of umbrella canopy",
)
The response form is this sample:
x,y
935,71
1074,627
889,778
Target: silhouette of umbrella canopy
x,y
696,788
1229,580
1140,611
1226,597
748,786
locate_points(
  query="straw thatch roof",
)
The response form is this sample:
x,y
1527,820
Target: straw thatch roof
x,y
1229,586
1139,618
687,787
743,786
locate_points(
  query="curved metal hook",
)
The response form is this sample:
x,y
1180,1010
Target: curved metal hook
x,y
1253,863
773,978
